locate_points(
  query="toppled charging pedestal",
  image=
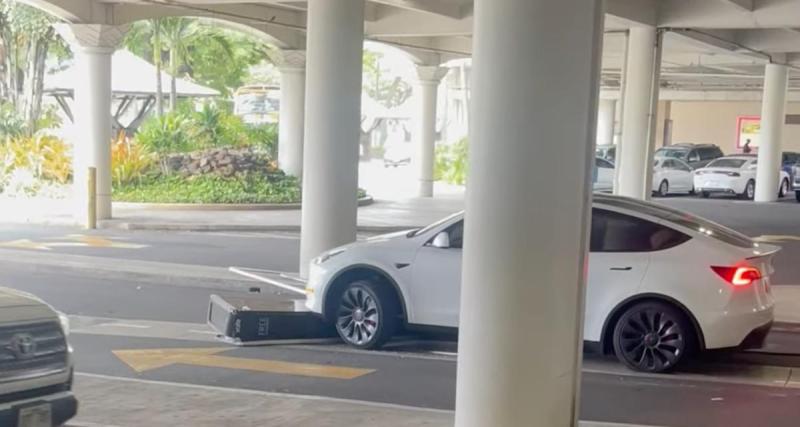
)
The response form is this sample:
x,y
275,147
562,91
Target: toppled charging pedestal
x,y
252,319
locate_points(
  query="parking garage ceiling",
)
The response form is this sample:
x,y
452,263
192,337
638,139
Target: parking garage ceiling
x,y
710,46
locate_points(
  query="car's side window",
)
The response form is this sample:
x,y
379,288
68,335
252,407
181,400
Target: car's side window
x,y
669,164
456,232
616,232
693,156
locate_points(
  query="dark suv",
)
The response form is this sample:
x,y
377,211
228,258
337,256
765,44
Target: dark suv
x,y
696,155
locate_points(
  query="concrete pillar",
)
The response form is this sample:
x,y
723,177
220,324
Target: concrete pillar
x,y
92,45
773,117
521,300
641,96
333,114
605,121
429,79
292,66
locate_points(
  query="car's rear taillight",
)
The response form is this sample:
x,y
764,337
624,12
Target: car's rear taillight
x,y
738,276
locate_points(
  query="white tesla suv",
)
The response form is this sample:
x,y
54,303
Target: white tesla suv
x,y
661,283
735,175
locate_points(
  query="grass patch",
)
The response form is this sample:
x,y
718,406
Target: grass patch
x,y
241,189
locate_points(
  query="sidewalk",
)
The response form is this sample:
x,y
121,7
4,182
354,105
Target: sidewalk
x,y
128,402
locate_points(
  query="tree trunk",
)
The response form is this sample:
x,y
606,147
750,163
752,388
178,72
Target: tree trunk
x,y
34,82
159,88
173,92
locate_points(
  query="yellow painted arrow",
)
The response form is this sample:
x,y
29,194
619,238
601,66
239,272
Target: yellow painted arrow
x,y
146,360
24,244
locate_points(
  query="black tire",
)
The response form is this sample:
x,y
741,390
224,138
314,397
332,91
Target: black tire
x,y
652,337
784,189
705,194
749,190
663,189
366,315
797,196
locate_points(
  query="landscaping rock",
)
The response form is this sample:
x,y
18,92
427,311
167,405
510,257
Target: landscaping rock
x,y
225,162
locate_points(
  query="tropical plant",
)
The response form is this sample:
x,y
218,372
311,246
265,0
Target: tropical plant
x,y
45,156
265,137
451,162
150,33
129,161
11,124
380,84
169,133
26,40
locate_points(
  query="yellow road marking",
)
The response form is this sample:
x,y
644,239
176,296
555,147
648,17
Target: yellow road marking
x,y
24,244
145,360
80,241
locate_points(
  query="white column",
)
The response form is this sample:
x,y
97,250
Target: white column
x,y
333,103
605,121
93,46
773,118
290,126
523,268
429,79
635,156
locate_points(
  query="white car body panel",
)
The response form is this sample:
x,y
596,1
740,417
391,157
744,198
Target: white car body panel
x,y
678,174
719,179
429,282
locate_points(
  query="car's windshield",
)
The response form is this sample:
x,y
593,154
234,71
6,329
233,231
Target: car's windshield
x,y
672,153
682,218
430,227
727,163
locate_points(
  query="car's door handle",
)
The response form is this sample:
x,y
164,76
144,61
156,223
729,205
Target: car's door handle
x,y
621,268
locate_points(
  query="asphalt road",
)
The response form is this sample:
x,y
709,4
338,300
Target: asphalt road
x,y
124,313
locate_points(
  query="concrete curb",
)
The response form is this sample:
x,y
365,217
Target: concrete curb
x,y
255,228
364,201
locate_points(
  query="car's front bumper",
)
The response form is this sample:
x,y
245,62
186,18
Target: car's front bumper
x,y
63,406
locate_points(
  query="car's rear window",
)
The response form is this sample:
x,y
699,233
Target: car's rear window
x,y
678,217
727,163
672,153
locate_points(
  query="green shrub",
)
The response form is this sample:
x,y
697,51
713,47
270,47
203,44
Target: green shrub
x,y
11,124
451,162
264,137
129,161
170,133
248,188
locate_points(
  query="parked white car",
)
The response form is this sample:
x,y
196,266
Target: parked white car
x,y
604,175
733,175
672,176
35,363
661,283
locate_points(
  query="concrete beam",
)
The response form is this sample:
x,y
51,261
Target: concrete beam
x,y
725,14
440,8
635,12
745,5
405,23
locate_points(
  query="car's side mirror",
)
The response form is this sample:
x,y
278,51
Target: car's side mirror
x,y
441,241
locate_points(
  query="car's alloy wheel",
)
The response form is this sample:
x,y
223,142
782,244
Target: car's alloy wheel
x,y
663,188
784,189
750,190
365,315
651,337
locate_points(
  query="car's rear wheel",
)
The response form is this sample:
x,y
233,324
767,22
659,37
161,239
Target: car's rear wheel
x,y
797,195
784,189
663,189
652,337
366,315
749,190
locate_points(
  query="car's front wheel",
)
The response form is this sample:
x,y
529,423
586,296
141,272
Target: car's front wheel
x,y
749,190
663,189
784,189
366,315
652,337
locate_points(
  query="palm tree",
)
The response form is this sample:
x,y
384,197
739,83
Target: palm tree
x,y
147,37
